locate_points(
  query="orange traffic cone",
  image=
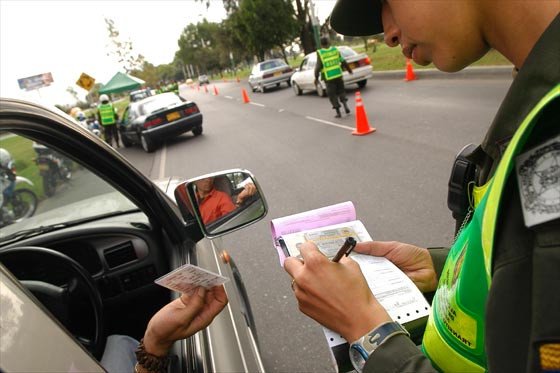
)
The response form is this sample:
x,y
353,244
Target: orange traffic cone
x,y
205,89
245,96
362,124
409,72
215,91
238,80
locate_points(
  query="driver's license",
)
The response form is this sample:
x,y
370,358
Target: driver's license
x,y
188,277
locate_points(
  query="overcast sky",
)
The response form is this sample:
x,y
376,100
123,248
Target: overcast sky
x,y
69,37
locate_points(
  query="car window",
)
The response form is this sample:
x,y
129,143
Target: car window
x,y
267,65
43,187
158,102
347,52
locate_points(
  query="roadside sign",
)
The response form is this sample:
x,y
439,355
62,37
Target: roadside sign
x,y
35,81
85,81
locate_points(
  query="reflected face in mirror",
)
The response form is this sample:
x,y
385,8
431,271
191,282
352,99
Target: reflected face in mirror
x,y
222,202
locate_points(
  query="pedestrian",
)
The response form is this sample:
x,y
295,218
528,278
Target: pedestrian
x,y
496,305
329,67
108,118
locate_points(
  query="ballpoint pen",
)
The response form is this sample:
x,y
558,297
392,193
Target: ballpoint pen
x,y
346,249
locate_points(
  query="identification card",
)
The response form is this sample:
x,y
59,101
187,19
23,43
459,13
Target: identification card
x,y
329,241
188,277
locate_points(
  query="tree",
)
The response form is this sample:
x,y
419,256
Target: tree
x,y
305,27
265,24
122,49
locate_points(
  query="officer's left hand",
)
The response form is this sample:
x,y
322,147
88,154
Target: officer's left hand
x,y
326,291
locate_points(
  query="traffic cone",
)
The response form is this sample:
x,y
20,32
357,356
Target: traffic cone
x,y
362,124
245,96
215,91
238,80
409,72
205,89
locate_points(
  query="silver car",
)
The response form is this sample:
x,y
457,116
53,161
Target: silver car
x,y
304,78
83,266
269,73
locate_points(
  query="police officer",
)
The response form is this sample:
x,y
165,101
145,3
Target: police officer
x,y
108,118
329,66
497,304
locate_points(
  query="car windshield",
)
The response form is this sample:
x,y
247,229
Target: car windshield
x,y
158,102
267,65
43,190
347,52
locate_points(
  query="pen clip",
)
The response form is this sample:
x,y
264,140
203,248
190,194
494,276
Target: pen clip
x,y
352,243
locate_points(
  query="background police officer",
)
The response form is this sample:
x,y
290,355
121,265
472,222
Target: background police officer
x,y
329,66
108,118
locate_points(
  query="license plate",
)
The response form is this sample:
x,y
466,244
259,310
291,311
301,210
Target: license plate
x,y
43,166
172,116
352,65
278,73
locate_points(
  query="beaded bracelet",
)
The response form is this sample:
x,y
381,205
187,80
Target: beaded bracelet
x,y
152,363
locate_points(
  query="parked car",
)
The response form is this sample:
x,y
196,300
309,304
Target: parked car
x,y
203,79
151,120
268,74
139,94
83,267
304,78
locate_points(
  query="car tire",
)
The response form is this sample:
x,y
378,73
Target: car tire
x,y
125,141
197,131
320,90
296,88
252,88
362,83
262,89
147,144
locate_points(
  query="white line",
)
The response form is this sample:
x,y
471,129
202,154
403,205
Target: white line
x,y
162,161
256,104
231,98
330,123
280,110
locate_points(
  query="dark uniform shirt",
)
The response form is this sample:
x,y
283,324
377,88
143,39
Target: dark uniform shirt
x,y
523,305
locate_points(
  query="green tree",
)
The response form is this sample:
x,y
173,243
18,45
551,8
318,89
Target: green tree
x,y
122,50
265,24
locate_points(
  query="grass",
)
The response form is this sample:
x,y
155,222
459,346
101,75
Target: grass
x,y
385,58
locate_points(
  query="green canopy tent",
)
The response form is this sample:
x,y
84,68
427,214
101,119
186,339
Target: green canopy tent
x,y
121,82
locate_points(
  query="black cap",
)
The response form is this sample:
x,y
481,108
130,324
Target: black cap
x,y
357,17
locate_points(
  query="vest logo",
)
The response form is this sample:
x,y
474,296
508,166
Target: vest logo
x,y
538,175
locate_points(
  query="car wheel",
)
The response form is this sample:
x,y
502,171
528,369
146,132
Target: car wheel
x,y
252,88
147,144
262,89
297,89
197,131
362,83
320,90
125,141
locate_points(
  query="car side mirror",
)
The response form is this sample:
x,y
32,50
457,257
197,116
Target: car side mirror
x,y
222,202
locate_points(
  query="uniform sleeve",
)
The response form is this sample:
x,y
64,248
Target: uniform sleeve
x,y
318,67
396,355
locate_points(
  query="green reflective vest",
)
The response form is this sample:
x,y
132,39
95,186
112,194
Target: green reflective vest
x,y
331,60
454,336
107,114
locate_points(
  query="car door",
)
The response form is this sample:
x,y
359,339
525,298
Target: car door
x,y
309,72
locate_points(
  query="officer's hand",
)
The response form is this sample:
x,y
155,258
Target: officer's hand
x,y
182,318
414,261
335,295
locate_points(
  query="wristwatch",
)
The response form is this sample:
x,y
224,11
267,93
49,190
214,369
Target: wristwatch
x,y
365,345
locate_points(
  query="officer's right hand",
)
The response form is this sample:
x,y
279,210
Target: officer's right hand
x,y
414,261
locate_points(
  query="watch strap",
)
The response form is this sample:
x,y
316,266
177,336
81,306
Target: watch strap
x,y
363,347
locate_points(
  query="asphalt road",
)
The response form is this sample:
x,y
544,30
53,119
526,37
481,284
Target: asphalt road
x,y
304,158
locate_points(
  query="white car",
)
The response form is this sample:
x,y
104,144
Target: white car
x,y
304,78
269,73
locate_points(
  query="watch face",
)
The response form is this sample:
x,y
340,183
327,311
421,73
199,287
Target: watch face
x,y
357,359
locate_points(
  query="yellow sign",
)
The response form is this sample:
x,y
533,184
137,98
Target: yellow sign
x,y
85,81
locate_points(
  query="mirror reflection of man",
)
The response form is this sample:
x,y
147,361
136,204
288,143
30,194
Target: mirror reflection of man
x,y
214,203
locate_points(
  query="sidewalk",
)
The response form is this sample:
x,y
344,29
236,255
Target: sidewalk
x,y
500,72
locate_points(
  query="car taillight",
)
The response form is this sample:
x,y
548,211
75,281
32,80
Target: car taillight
x,y
153,122
267,76
365,61
288,70
191,110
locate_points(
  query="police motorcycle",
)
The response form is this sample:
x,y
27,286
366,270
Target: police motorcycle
x,y
53,168
91,125
17,202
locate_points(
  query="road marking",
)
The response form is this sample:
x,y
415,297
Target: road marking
x,y
330,123
231,98
256,104
280,110
162,162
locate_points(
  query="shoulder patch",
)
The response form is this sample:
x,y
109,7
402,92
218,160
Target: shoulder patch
x,y
538,176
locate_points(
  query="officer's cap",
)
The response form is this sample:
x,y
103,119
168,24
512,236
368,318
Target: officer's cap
x,y
357,17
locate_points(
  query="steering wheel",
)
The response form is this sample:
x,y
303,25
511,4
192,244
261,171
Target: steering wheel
x,y
57,298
